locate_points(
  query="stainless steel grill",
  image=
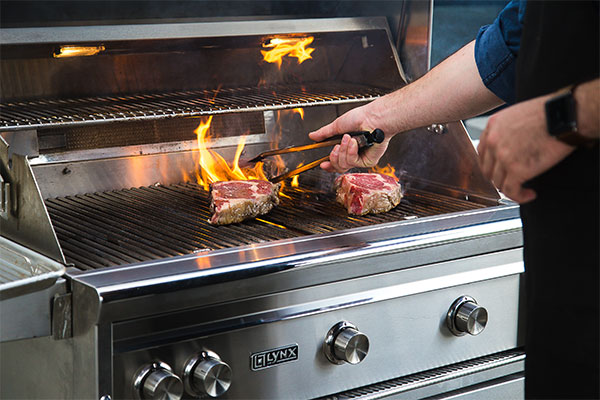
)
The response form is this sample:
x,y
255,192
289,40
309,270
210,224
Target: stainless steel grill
x,y
53,113
98,156
126,226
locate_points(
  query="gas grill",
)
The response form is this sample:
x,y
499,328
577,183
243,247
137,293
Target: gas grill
x,y
112,274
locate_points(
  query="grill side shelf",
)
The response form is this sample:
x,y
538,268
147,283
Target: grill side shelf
x,y
37,114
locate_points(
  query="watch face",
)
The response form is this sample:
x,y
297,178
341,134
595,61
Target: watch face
x,y
560,114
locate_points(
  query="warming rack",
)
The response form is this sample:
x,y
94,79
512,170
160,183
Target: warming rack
x,y
46,113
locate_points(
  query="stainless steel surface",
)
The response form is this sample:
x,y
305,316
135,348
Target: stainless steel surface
x,y
414,38
29,314
470,377
242,329
147,149
512,387
25,219
24,143
206,374
23,270
295,255
156,381
76,34
344,343
62,316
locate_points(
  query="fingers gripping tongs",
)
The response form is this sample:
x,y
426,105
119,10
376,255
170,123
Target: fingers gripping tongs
x,y
364,138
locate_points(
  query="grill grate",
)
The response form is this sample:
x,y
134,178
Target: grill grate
x,y
104,229
54,113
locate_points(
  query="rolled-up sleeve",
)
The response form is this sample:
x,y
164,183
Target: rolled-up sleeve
x,y
496,49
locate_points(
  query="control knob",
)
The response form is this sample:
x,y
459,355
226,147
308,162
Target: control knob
x,y
157,381
345,343
206,374
466,316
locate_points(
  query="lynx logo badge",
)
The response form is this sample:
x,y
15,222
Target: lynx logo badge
x,y
273,357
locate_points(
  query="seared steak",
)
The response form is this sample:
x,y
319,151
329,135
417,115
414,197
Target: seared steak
x,y
235,201
366,193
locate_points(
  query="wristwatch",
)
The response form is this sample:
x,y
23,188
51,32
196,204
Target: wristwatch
x,y
561,119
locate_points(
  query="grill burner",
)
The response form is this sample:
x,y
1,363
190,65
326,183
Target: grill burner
x,y
126,226
48,113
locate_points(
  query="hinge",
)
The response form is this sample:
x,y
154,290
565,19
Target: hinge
x,y
4,197
62,316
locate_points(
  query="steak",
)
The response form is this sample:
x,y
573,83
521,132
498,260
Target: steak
x,y
365,193
235,201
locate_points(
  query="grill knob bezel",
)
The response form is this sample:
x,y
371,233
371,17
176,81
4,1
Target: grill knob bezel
x,y
149,382
344,343
466,316
201,370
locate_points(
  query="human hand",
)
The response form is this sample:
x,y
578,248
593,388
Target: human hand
x,y
515,147
346,155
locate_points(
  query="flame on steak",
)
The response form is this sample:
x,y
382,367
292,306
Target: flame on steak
x,y
214,168
290,46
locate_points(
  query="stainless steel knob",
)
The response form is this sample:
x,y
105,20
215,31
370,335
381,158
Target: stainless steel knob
x,y
345,343
156,381
206,374
466,316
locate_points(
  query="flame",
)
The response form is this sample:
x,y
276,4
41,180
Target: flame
x,y
292,47
78,51
214,168
270,223
387,170
294,182
299,111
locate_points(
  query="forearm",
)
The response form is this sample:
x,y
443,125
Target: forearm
x,y
451,91
587,97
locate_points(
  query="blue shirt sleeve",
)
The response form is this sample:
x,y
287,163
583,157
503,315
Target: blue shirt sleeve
x,y
496,49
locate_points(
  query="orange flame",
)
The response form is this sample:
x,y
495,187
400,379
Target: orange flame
x,y
292,47
214,168
299,111
387,170
294,182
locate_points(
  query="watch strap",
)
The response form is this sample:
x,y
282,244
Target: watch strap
x,y
561,119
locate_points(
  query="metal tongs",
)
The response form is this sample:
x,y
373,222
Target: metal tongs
x,y
365,139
